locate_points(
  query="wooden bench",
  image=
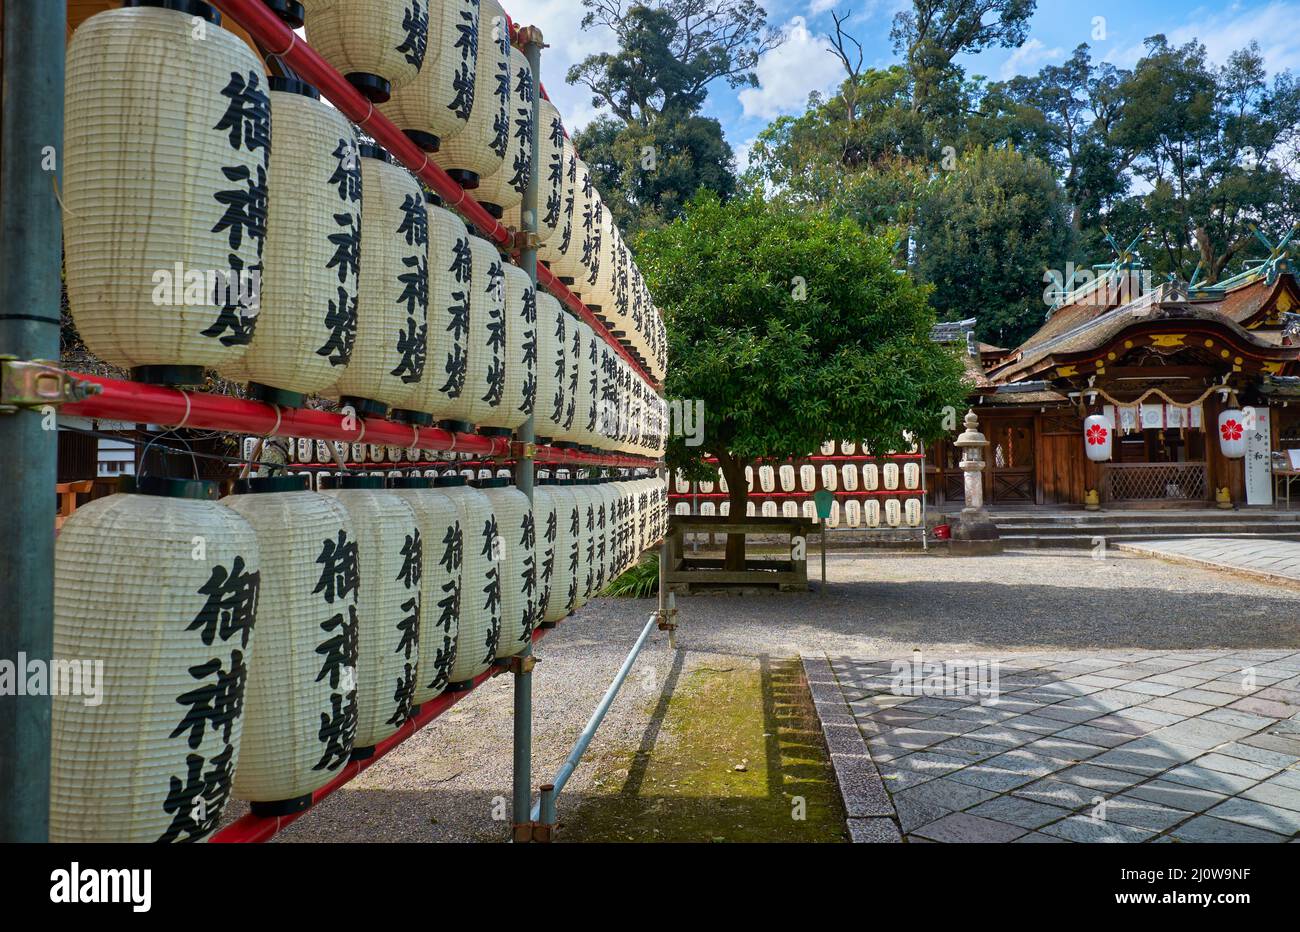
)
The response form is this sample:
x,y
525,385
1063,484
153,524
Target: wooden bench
x,y
691,574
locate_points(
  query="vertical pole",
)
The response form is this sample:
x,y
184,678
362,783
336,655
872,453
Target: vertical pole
x,y
823,524
530,39
31,140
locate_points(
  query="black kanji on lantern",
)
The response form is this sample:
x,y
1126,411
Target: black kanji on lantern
x,y
496,328
412,560
529,318
235,294
415,23
247,119
403,695
339,652
347,247
231,607
338,560
501,121
415,221
347,176
492,590
217,703
462,81
412,345
245,206
342,324
338,727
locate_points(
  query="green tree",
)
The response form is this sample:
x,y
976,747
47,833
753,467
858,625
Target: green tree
x,y
791,328
987,231
669,52
1209,144
934,32
648,173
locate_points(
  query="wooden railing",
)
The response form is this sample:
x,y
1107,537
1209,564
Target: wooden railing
x,y
1156,482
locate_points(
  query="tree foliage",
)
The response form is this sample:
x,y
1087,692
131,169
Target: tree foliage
x,y
792,327
987,231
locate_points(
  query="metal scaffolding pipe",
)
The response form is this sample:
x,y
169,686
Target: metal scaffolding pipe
x,y
522,788
575,756
31,231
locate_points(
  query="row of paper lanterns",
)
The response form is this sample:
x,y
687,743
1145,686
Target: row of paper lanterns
x,y
231,221
1099,435
873,513
804,477
257,644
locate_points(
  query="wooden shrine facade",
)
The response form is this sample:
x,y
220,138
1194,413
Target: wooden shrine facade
x,y
1162,367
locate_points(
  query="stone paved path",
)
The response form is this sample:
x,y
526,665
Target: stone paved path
x,y
1100,746
1277,560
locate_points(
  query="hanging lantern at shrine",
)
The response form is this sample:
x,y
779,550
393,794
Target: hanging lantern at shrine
x,y
440,583
551,178
518,380
516,566
550,509
479,150
160,588
505,187
300,705
436,106
589,250
308,300
388,356
164,190
590,380
1232,433
489,334
562,252
480,587
378,45
444,389
390,553
553,348
1098,437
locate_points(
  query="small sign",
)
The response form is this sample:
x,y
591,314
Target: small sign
x,y
824,500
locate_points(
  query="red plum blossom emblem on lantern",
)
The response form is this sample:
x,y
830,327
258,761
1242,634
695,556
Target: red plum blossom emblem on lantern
x,y
1230,429
1096,434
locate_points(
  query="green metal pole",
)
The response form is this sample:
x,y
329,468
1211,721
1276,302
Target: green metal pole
x,y
522,796
31,145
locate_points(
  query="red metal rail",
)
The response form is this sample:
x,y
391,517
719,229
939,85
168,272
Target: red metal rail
x,y
279,40
254,829
172,407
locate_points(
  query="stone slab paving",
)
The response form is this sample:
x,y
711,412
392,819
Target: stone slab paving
x,y
1275,560
1103,746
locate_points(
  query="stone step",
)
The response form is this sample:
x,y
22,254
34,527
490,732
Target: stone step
x,y
1208,529
1035,541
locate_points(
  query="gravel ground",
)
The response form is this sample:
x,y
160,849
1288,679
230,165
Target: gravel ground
x,y
451,782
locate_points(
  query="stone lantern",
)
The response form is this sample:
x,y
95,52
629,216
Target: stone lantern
x,y
974,532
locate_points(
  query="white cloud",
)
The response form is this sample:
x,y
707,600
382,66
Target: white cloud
x,y
1029,57
789,73
1224,32
820,6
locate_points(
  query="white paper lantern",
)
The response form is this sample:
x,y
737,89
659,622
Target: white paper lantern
x,y
442,391
300,706
562,252
808,477
871,512
378,45
1098,437
893,512
871,477
890,476
1232,433
436,105
853,512
172,637
504,188
787,477
479,150
912,509
558,498
307,316
912,475
164,190
554,327
488,354
388,358
480,589
516,567
850,474
442,545
830,477
518,380
390,553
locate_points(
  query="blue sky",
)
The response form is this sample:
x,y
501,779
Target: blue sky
x,y
802,64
